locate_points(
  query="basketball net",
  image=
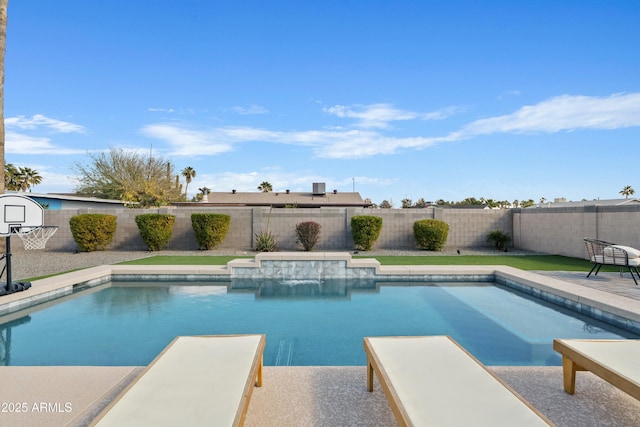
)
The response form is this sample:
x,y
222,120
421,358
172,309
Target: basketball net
x,y
36,238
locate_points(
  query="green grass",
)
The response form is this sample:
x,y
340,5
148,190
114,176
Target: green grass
x,y
183,260
524,262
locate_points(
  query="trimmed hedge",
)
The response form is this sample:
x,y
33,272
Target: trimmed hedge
x,y
365,230
155,229
210,229
93,232
431,234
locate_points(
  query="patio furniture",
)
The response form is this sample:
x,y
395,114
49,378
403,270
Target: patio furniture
x,y
602,253
432,380
615,361
195,381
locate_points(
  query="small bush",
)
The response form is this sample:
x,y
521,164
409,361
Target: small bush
x,y
430,234
499,239
155,229
93,232
308,234
266,242
365,230
210,229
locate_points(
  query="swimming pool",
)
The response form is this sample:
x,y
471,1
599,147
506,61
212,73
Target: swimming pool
x,y
307,322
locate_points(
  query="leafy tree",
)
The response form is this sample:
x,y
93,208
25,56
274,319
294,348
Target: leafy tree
x,y
627,191
202,192
129,176
406,203
421,203
515,203
385,204
265,187
188,173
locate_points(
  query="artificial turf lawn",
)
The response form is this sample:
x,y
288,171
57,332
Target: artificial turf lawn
x,y
524,262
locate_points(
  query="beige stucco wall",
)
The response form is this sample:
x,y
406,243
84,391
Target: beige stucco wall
x,y
467,227
546,230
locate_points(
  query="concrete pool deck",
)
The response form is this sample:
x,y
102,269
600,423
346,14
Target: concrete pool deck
x,y
325,396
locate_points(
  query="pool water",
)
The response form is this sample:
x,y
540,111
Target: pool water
x,y
307,323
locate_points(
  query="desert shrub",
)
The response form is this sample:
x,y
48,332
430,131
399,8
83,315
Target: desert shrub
x,y
308,234
365,230
93,232
266,242
210,229
499,239
155,229
430,234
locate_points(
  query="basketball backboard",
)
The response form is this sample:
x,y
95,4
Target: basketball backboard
x,y
19,211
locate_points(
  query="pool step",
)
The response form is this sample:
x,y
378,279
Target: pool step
x,y
285,353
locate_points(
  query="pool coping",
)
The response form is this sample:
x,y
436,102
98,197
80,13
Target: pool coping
x,y
611,308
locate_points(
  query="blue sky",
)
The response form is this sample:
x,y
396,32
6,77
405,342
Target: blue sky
x,y
397,99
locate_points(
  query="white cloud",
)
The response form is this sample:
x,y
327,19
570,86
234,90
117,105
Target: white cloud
x,y
161,110
40,121
379,115
250,110
563,113
188,142
17,143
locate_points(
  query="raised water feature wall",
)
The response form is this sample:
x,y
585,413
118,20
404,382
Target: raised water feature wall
x,y
296,266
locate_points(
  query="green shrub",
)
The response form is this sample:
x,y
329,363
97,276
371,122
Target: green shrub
x,y
155,229
430,234
308,234
499,239
210,229
266,242
93,232
365,230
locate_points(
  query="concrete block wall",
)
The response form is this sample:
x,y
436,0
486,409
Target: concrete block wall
x,y
546,230
467,227
561,230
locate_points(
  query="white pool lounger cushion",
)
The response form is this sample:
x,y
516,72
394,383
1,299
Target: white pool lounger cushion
x,y
615,361
195,381
432,380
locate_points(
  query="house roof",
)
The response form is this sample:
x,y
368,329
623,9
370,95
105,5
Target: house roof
x,y
603,202
282,199
68,197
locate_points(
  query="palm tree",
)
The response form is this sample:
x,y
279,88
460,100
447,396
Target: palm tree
x,y
265,187
28,177
3,47
188,174
627,191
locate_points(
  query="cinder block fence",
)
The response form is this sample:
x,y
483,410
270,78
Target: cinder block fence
x,y
546,230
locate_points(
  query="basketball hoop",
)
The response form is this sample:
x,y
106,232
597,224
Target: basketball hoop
x,y
35,237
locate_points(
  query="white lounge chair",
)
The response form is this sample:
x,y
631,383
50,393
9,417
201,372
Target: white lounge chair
x,y
432,380
195,381
615,361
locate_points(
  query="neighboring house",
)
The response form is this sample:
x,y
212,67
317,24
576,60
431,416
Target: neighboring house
x,y
317,198
562,203
65,201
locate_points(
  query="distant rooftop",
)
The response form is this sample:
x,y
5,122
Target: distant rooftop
x,y
562,203
282,199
